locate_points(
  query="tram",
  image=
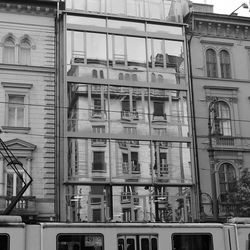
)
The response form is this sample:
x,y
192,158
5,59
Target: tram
x,y
16,235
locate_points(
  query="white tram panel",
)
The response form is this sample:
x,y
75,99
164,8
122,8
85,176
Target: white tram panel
x,y
12,233
72,236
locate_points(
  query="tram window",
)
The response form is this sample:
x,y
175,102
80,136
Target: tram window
x,y
4,242
145,243
192,241
79,242
137,242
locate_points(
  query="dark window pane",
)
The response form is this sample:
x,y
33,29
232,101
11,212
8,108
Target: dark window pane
x,y
144,244
192,241
130,244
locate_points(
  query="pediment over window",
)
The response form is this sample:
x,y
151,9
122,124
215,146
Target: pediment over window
x,y
20,147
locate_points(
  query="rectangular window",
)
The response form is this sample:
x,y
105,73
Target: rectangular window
x,y
16,110
4,242
131,242
192,241
99,161
80,241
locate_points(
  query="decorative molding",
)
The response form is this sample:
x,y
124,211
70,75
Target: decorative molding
x,y
221,87
17,85
216,42
30,8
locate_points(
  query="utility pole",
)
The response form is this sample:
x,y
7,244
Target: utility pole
x,y
212,109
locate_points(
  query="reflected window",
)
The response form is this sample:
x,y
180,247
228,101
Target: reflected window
x,y
99,164
211,62
227,178
94,73
9,50
225,64
127,51
159,110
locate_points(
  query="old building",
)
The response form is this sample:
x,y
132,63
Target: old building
x,y
125,137
219,48
27,99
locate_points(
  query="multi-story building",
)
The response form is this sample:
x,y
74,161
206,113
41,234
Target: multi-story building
x,y
220,56
27,98
125,137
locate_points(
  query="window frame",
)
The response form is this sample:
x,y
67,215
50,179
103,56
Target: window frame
x,y
226,174
17,89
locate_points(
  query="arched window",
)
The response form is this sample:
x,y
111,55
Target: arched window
x,y
120,76
227,178
94,73
153,77
225,64
222,119
24,52
211,62
9,50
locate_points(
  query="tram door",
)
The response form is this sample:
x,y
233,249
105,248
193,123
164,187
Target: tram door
x,y
137,242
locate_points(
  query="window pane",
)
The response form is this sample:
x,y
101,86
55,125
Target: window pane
x,y
190,242
99,22
80,241
130,244
145,243
10,190
96,48
136,51
4,242
164,29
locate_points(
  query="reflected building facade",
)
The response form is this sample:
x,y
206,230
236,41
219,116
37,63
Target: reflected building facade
x,y
124,113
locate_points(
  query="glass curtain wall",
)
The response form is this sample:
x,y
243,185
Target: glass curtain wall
x,y
128,144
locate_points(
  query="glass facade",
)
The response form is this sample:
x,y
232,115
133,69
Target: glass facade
x,y
167,10
127,136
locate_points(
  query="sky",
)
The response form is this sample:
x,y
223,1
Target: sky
x,y
227,6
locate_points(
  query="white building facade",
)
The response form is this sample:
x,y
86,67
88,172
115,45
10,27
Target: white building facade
x,y
27,98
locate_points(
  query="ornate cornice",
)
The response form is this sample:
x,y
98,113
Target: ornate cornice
x,y
28,8
220,26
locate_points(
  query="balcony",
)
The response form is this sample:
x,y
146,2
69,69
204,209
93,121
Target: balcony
x,y
131,168
160,117
26,205
129,115
127,197
97,142
98,114
126,143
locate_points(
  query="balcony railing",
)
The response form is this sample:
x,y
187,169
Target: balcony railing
x,y
159,117
98,114
126,143
131,168
127,197
98,142
129,115
27,204
225,141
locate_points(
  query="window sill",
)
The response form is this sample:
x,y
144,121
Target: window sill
x,y
10,129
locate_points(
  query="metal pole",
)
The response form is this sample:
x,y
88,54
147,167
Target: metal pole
x,y
211,162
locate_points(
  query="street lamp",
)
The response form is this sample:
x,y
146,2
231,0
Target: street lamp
x,y
244,5
212,109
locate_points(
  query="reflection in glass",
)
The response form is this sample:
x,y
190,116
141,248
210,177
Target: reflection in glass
x,y
99,22
116,7
135,8
125,25
164,29
127,56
